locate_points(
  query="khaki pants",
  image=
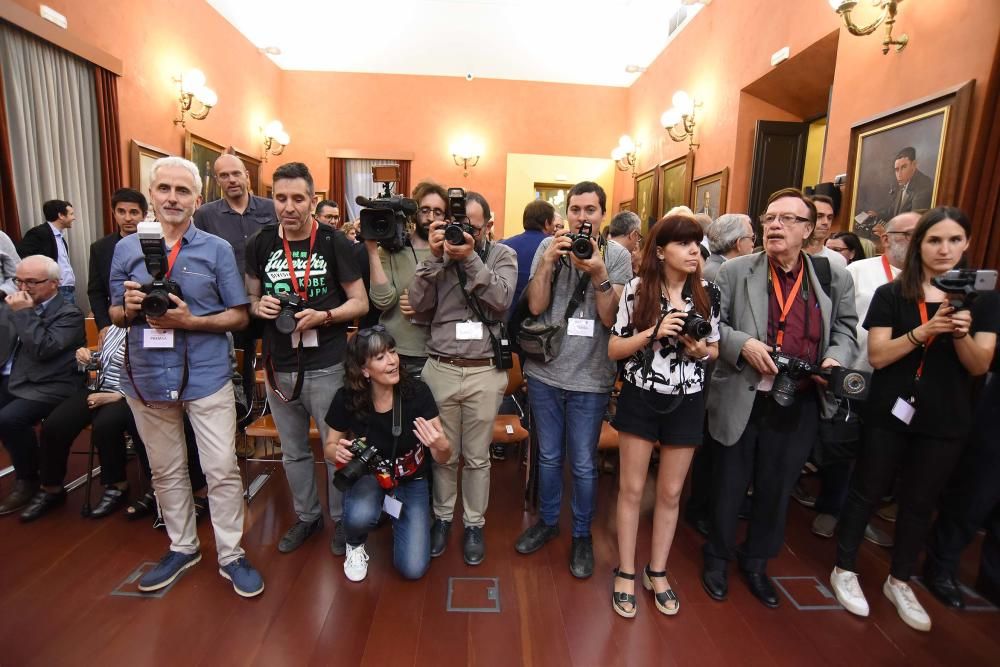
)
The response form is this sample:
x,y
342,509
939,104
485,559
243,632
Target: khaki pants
x,y
468,399
214,422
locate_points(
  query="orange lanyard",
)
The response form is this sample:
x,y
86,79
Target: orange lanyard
x,y
176,250
303,293
923,320
785,306
888,269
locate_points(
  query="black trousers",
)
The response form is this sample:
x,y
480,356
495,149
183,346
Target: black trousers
x,y
924,464
18,417
835,481
771,452
973,497
110,422
699,504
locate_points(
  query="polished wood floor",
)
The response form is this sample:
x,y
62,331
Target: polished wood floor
x,y
57,575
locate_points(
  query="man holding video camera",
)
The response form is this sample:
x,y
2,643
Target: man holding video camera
x,y
468,284
780,309
179,292
305,287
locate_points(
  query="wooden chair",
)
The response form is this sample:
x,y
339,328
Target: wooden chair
x,y
507,429
93,333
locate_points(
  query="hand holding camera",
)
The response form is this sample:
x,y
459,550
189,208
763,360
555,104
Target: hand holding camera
x,y
758,354
942,323
176,315
436,238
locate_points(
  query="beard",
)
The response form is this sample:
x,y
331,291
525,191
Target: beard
x,y
422,231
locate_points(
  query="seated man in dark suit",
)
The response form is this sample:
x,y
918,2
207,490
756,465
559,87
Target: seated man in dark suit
x,y
49,239
39,334
129,209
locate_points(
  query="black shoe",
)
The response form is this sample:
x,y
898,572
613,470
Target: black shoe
x,y
699,522
944,587
535,537
42,502
715,583
439,536
761,588
474,549
581,558
112,499
299,533
338,543
22,493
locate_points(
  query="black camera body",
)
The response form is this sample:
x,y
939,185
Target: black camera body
x,y
154,254
384,220
581,246
365,459
157,300
964,285
695,325
290,305
843,382
458,225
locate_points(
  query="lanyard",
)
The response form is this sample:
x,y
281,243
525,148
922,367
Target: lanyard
x,y
887,268
291,269
927,346
176,250
785,306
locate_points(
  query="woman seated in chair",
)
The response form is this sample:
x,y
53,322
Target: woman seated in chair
x,y
376,387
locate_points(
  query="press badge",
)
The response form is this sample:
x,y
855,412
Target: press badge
x,y
766,382
469,330
580,327
309,338
392,507
157,338
903,410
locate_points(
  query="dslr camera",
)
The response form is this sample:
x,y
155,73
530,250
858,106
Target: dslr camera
x,y
454,231
157,300
366,459
695,325
580,242
964,285
843,382
384,218
290,305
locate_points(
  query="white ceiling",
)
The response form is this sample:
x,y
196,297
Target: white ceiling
x,y
568,41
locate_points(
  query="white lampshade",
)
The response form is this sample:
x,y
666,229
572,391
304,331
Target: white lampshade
x,y
273,129
625,143
670,118
682,103
192,81
618,153
282,138
207,96
836,5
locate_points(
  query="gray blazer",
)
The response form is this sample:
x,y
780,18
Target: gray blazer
x,y
712,266
45,366
743,281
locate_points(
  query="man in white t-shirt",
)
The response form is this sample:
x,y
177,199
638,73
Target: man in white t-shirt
x,y
824,222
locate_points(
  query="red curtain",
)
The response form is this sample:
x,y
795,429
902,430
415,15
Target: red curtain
x,y
337,190
981,195
9,221
110,135
404,178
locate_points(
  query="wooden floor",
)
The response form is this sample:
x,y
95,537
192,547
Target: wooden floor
x,y
57,575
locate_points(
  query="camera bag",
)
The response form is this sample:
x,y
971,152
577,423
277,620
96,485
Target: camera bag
x,y
543,342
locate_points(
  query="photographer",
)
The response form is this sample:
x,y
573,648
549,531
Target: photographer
x,y
392,273
305,286
668,330
574,283
781,300
176,362
925,353
378,389
468,287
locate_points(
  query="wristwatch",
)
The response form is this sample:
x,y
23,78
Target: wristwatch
x,y
604,286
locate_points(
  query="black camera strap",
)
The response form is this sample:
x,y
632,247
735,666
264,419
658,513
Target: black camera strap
x,y
648,355
475,304
397,430
135,386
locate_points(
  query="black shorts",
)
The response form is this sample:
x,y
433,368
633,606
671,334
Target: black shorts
x,y
684,427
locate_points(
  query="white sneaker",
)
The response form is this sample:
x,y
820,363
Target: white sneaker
x,y
906,603
356,563
848,591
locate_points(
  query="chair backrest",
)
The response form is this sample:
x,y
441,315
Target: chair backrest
x,y
93,333
514,377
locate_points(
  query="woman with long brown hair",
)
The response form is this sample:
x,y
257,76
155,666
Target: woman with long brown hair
x,y
667,330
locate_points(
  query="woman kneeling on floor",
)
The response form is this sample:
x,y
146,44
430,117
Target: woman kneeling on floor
x,y
376,387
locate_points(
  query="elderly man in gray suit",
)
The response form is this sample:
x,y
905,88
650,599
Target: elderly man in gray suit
x,y
779,300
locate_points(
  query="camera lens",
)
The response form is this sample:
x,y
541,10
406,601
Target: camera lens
x,y
582,247
697,327
783,390
854,384
285,322
454,234
155,304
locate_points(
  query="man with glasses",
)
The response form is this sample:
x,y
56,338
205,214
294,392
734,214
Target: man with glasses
x,y
40,330
824,222
328,213
625,229
392,272
310,264
468,288
780,300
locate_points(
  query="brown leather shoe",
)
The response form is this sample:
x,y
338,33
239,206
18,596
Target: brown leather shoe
x,y
19,496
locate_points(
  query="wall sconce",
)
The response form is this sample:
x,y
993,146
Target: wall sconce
x,y
192,88
889,9
678,120
275,139
624,154
466,153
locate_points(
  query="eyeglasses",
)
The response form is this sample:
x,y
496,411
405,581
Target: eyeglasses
x,y
905,235
436,212
29,282
368,332
752,238
786,219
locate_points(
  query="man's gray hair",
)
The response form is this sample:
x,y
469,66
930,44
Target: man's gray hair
x,y
725,232
173,161
623,224
50,265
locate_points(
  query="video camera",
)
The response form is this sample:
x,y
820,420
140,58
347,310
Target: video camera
x,y
455,230
365,459
964,285
157,300
581,246
843,382
384,218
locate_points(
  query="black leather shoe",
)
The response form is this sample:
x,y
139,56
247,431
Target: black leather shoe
x,y
112,499
581,557
715,583
22,493
761,588
474,548
42,502
535,537
439,536
298,534
944,587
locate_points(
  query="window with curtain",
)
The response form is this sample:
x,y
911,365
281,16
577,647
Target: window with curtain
x,y
358,181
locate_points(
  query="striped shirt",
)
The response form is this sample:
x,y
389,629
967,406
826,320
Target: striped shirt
x,y
112,359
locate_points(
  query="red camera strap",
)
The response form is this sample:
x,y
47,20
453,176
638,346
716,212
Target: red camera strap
x,y
923,320
172,257
887,268
785,306
304,290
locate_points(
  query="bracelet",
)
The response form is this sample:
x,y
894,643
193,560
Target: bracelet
x,y
910,336
329,318
964,334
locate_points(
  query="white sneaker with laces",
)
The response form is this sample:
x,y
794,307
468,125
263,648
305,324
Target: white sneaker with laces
x,y
356,563
906,603
848,591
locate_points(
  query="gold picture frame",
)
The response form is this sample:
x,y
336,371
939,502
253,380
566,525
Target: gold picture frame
x,y
253,165
204,152
708,193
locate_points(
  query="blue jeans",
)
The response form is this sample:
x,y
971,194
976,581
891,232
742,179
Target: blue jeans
x,y
552,410
411,532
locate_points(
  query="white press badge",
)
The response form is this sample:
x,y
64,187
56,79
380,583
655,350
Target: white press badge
x,y
469,330
309,338
903,410
580,327
766,382
392,507
157,338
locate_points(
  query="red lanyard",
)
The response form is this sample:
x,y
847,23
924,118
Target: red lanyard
x,y
923,320
887,268
176,250
785,306
291,269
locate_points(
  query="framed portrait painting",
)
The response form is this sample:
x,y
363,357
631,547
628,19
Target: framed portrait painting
x,y
708,193
625,205
141,159
675,183
204,153
644,203
906,159
253,168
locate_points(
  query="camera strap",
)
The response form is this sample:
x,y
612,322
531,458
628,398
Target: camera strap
x,y
476,305
172,257
304,290
785,304
299,375
922,307
135,386
647,368
397,430
887,268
